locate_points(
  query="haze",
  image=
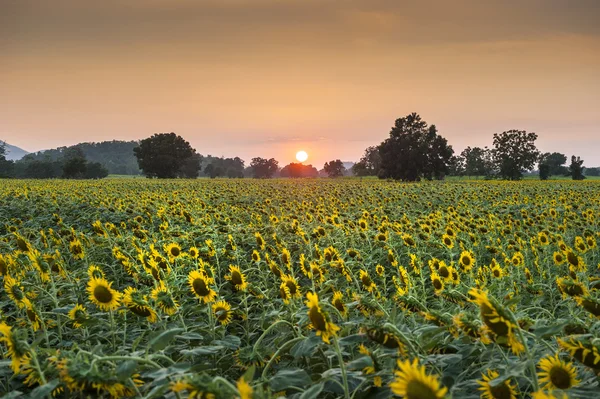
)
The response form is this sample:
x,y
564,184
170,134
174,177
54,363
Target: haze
x,y
268,78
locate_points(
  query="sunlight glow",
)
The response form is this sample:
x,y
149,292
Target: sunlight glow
x,y
301,156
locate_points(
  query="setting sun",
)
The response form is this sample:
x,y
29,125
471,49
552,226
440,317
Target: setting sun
x,y
301,156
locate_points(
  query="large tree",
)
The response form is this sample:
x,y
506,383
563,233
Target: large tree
x,y
555,162
334,168
6,166
369,164
514,152
576,168
263,168
299,170
476,161
167,155
413,151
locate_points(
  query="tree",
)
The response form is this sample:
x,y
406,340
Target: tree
x,y
475,161
456,166
263,168
369,164
299,170
544,171
224,167
6,166
167,155
555,162
95,170
514,152
592,171
413,151
334,168
576,169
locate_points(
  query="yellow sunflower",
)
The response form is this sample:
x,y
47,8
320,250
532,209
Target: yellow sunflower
x,y
556,374
437,283
78,315
95,272
222,311
199,283
367,282
504,390
447,241
102,295
412,382
466,261
76,249
338,302
237,278
138,304
15,349
14,290
582,350
244,389
319,320
173,250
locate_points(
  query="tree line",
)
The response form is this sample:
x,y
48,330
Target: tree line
x,y
413,151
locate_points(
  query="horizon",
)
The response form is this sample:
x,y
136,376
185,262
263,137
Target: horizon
x,y
266,79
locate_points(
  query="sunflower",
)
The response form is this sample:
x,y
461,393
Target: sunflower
x,y
15,349
193,252
381,237
466,260
199,283
517,259
292,286
244,389
542,238
260,242
102,295
222,311
412,382
409,240
496,320
163,298
556,374
559,258
338,302
14,290
437,283
78,315
503,390
76,249
582,350
173,250
367,282
138,304
5,262
574,260
237,278
447,241
286,258
590,304
580,244
379,270
319,320
33,316
570,287
496,270
94,271
255,256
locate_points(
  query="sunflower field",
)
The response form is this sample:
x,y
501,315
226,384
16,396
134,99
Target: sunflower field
x,y
304,289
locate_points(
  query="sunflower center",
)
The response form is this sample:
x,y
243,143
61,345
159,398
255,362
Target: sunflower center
x,y
339,305
103,294
572,258
488,314
317,319
236,278
416,389
366,280
221,313
175,251
292,287
501,391
437,284
142,311
560,377
466,260
200,287
444,272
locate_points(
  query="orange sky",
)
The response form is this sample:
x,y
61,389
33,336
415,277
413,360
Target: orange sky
x,y
268,77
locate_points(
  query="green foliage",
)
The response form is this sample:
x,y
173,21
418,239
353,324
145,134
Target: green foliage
x,y
6,166
592,172
413,151
334,168
223,167
263,168
576,168
167,155
555,162
477,161
369,164
544,171
296,170
514,152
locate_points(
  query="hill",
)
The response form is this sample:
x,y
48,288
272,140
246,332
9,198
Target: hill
x,y
14,153
116,156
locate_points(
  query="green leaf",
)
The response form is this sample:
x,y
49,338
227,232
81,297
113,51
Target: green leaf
x,y
161,341
360,363
126,369
306,347
202,350
312,392
44,390
287,378
230,341
13,394
550,330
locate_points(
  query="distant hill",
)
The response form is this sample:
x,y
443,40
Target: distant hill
x,y
116,156
14,153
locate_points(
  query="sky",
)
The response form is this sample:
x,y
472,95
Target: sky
x,y
270,77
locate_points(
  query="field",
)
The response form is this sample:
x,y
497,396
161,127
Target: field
x,y
304,289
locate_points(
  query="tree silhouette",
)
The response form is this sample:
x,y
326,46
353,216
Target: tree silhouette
x,y
544,171
167,155
413,151
263,168
476,161
334,168
514,152
299,170
6,166
576,169
555,162
369,164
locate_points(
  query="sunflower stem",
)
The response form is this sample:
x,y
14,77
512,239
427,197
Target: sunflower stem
x,y
281,349
342,367
264,334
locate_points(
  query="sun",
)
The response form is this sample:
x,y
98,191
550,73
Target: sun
x,y
301,156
